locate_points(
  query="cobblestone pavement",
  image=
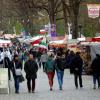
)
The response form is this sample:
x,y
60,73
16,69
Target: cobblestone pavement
x,y
42,90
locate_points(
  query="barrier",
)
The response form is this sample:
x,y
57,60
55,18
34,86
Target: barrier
x,y
4,83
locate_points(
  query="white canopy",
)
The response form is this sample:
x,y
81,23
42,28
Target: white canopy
x,y
5,43
57,42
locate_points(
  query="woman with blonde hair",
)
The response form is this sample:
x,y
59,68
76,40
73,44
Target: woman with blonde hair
x,y
49,68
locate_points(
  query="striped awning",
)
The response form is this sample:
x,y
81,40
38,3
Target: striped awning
x,y
5,43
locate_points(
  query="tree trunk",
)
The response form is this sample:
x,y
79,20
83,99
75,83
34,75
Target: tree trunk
x,y
75,27
51,12
52,18
75,20
65,15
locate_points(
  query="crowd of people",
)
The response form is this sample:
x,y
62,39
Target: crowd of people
x,y
53,61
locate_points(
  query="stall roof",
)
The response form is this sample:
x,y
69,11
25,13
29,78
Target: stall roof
x,y
5,43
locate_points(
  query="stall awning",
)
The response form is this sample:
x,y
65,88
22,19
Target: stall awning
x,y
96,39
5,43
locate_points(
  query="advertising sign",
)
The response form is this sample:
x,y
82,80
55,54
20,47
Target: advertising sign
x,y
53,30
93,10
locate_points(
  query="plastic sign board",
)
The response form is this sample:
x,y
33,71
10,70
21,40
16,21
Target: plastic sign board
x,y
4,84
93,10
53,30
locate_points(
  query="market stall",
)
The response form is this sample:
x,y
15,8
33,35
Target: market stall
x,y
89,49
58,43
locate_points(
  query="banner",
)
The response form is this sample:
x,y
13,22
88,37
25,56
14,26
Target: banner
x,y
25,34
93,10
53,30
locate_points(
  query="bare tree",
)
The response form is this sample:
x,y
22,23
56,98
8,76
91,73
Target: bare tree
x,y
50,6
74,14
71,12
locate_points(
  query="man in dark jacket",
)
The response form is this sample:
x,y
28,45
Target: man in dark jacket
x,y
77,66
60,66
96,70
31,69
69,61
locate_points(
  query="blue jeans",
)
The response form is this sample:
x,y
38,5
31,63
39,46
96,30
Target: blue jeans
x,y
60,75
16,80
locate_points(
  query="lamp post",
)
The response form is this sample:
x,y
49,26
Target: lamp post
x,y
69,31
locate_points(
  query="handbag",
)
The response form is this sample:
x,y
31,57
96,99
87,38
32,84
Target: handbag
x,y
17,71
21,78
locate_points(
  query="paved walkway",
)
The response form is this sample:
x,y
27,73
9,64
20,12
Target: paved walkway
x,y
42,90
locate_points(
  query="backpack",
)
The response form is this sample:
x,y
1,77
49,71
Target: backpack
x,y
61,63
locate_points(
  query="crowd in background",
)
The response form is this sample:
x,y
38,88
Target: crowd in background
x,y
53,61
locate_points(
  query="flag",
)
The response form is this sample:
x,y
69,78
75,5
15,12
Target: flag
x,y
43,45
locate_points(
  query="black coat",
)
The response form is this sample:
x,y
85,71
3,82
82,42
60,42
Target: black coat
x,y
96,66
60,63
77,65
69,62
31,69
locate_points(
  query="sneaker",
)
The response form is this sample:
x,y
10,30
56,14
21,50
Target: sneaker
x,y
17,92
76,87
94,87
98,87
29,91
33,91
60,88
50,89
81,87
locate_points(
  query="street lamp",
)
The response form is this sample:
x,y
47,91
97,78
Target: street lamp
x,y
69,31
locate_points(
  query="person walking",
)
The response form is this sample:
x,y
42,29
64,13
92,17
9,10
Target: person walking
x,y
77,69
31,69
16,70
60,65
7,63
49,68
95,66
44,58
69,61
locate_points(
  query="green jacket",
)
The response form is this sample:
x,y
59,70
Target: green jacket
x,y
49,65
